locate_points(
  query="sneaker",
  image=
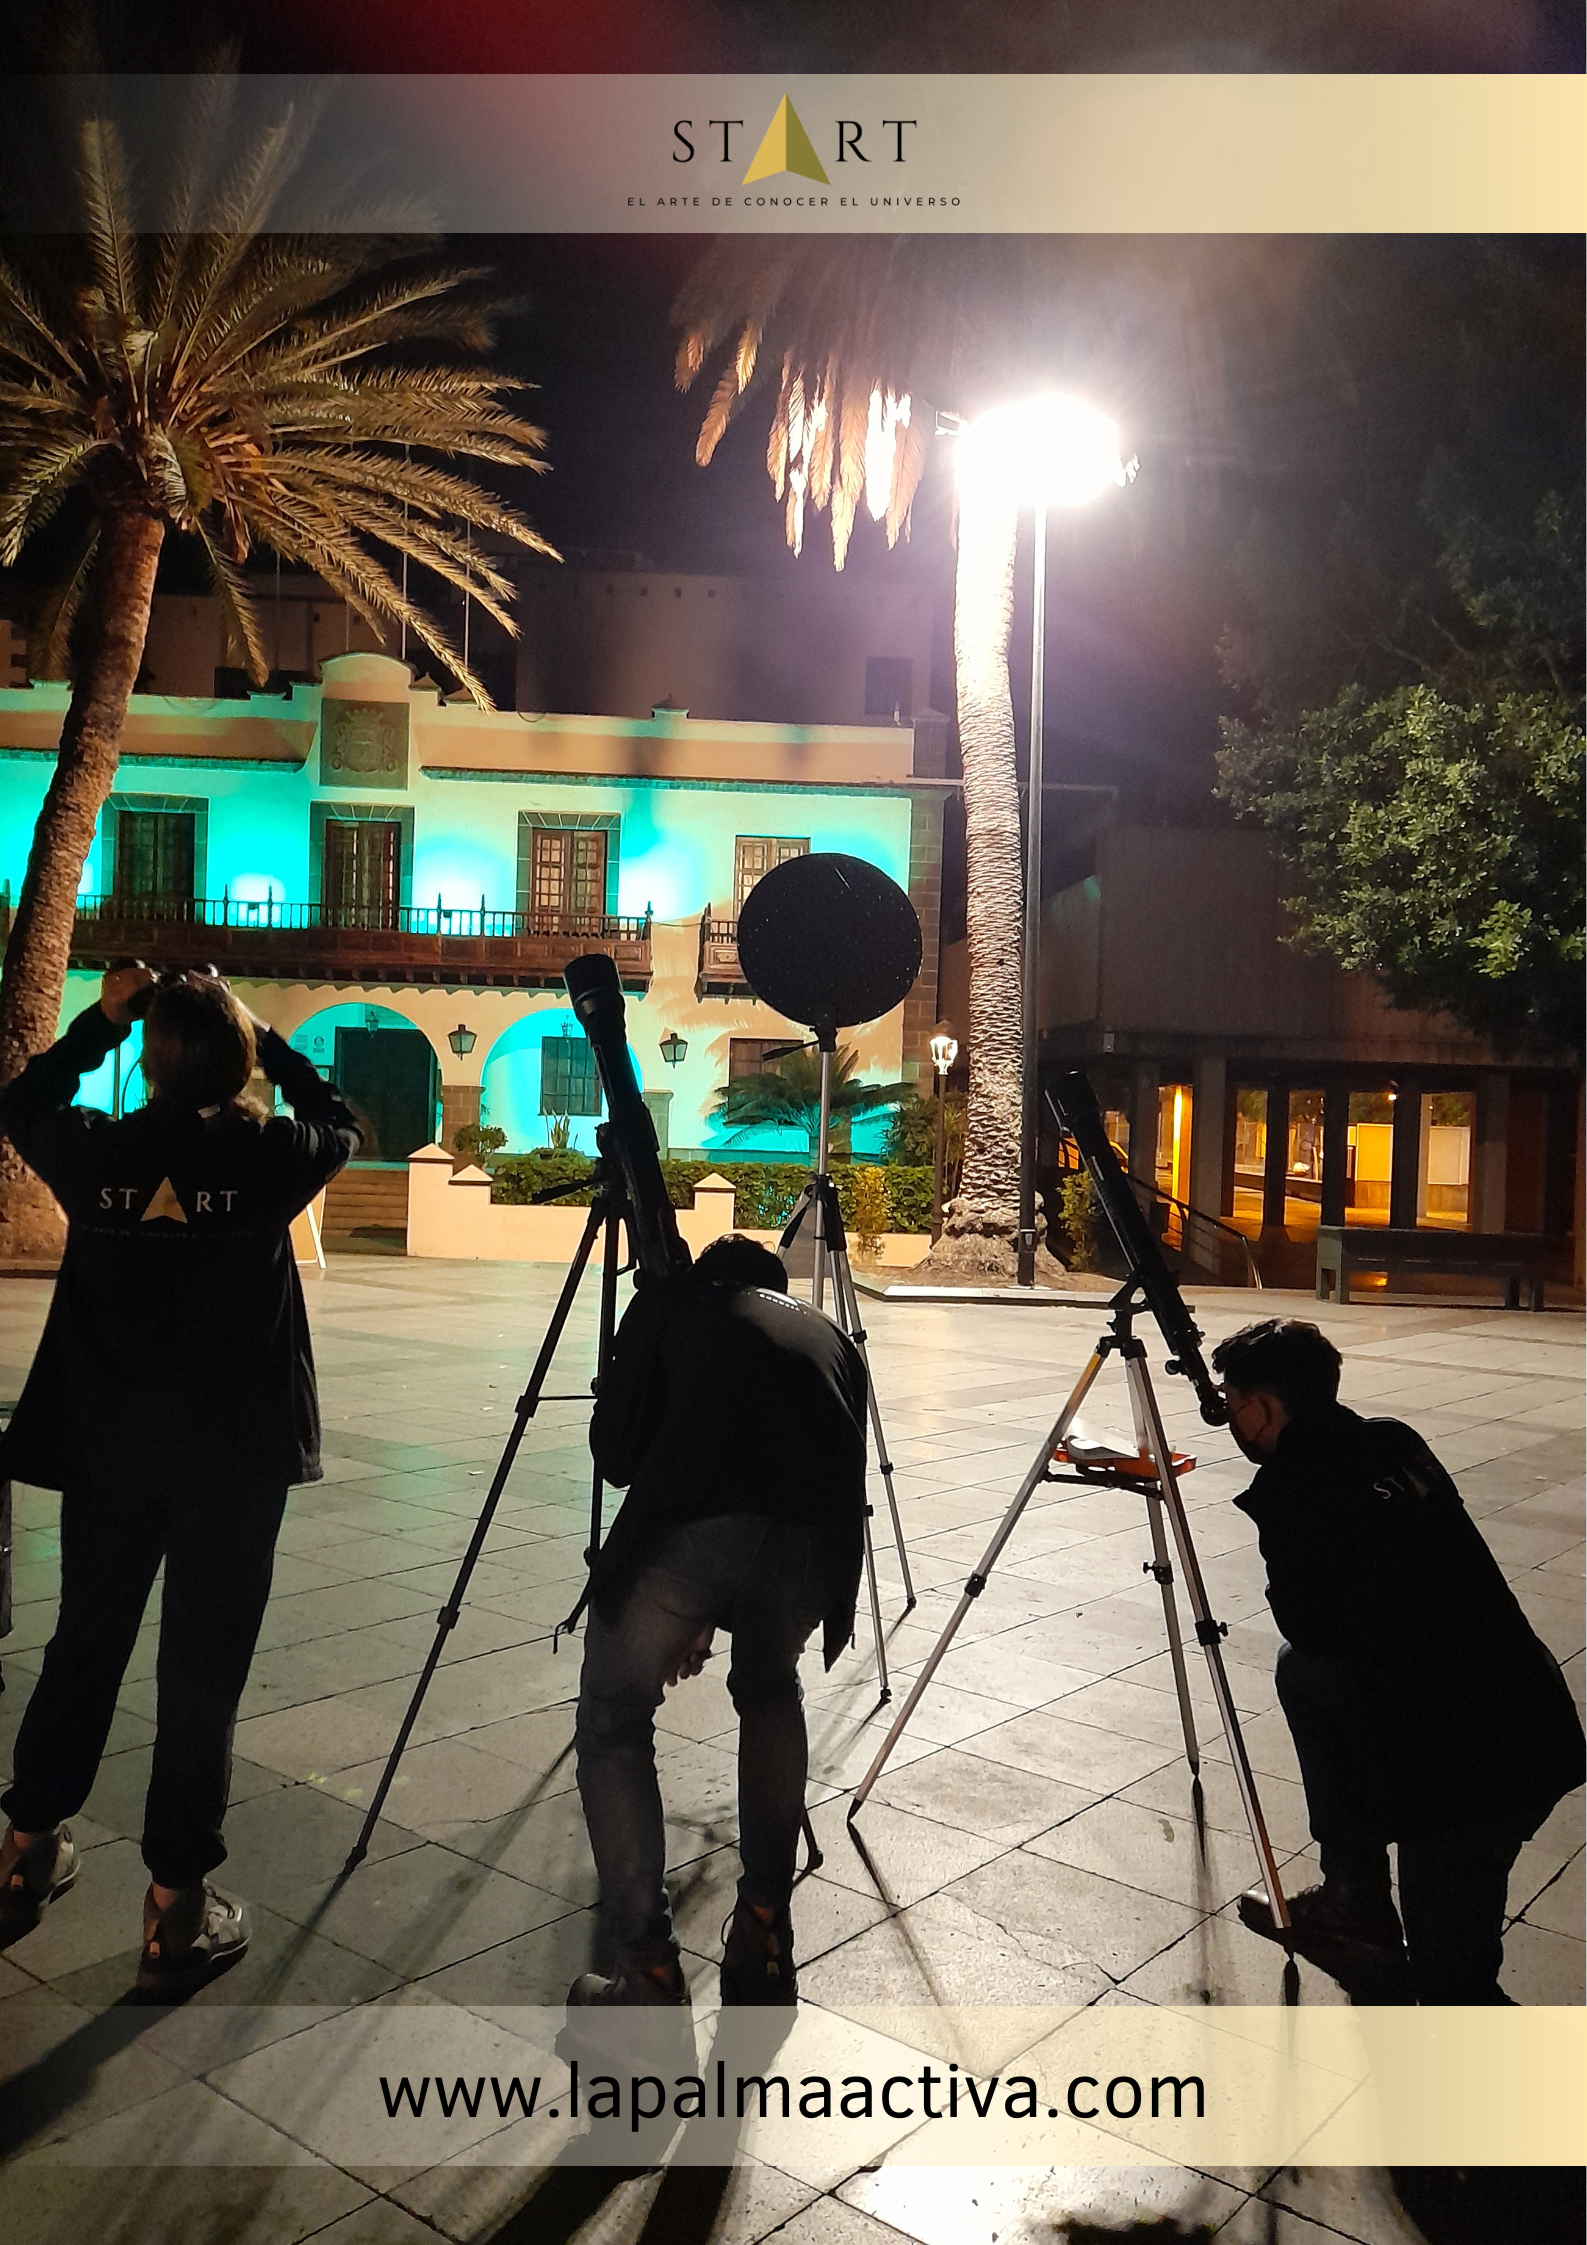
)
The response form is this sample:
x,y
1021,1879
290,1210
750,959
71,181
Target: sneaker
x,y
758,1958
33,1877
204,1932
631,1984
1327,1913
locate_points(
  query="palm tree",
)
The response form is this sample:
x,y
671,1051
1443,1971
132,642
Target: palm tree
x,y
858,336
242,386
788,1096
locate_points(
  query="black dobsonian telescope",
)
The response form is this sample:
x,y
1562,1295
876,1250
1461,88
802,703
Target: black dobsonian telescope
x,y
629,1133
1080,1115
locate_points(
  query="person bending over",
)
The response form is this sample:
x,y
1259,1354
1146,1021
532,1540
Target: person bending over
x,y
736,1419
171,1401
1423,1707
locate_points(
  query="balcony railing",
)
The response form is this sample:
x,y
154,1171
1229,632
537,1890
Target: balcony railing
x,y
720,975
279,941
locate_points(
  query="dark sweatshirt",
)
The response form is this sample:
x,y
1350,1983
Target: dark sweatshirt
x,y
725,1401
177,1344
1372,1557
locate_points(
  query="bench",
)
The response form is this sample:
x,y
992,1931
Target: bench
x,y
1512,1257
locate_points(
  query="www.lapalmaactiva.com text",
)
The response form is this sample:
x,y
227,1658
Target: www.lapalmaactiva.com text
x,y
635,2099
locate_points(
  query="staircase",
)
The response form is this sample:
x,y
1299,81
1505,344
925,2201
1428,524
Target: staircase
x,y
366,1209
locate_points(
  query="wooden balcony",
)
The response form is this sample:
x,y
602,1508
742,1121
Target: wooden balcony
x,y
719,975
473,949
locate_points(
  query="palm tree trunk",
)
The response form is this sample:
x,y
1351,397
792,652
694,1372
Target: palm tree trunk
x,y
39,942
980,1223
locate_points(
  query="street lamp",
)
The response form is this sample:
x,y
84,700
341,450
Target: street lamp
x,y
673,1048
462,1039
1044,452
944,1052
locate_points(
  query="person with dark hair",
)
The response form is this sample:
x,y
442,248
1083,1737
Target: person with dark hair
x,y
735,1418
1423,1707
172,1402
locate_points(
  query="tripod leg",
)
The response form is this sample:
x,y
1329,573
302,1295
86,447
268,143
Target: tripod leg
x,y
447,1618
813,1855
977,1581
1163,1572
885,1689
608,1326
1209,1635
848,1302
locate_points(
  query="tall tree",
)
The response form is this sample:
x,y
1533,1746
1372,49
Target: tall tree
x,y
172,359
864,340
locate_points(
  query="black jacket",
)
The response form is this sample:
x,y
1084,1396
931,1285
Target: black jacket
x,y
177,1344
720,1401
1371,1556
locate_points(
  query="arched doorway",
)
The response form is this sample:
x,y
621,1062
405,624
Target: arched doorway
x,y
539,1076
386,1070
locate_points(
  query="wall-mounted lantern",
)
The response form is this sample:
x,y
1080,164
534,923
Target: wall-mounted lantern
x,y
673,1048
462,1039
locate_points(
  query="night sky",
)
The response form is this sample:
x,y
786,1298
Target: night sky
x,y
1140,590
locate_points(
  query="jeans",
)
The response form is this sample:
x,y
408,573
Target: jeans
x,y
218,1548
1453,1880
766,1582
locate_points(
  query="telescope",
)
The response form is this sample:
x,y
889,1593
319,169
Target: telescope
x,y
1077,1109
629,1133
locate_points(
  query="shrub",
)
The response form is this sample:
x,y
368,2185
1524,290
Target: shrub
x,y
764,1193
869,1199
1077,1216
478,1139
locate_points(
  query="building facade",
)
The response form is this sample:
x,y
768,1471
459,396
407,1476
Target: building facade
x,y
396,882
1273,1091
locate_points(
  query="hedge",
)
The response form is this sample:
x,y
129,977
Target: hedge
x,y
764,1193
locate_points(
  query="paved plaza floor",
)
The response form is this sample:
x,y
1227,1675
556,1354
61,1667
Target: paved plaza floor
x,y
1030,1844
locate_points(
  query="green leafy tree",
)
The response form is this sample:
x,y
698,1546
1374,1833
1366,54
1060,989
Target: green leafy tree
x,y
1436,824
214,374
788,1097
1439,846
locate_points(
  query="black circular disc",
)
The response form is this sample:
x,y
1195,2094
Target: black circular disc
x,y
829,940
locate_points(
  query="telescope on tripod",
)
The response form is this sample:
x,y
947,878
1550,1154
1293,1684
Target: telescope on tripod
x,y
1152,1469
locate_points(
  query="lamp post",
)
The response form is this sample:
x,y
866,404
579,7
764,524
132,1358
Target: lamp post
x,y
1044,452
944,1052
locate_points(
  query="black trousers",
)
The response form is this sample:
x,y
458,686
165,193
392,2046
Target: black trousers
x,y
1453,1880
218,1546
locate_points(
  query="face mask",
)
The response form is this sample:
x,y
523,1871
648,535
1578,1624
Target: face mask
x,y
1248,1449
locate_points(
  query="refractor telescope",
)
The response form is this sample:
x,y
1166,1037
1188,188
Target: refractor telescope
x,y
1080,1115
629,1134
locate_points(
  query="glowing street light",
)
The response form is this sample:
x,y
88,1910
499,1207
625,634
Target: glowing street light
x,y
1043,452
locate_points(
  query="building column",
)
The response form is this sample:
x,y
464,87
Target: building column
x,y
1405,1158
1490,1149
1144,1101
1209,1103
1275,1166
1335,1152
459,1107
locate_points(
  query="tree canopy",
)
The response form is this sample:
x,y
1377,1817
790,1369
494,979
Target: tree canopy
x,y
1437,826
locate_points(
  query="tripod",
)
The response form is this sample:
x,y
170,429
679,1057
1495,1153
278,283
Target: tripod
x,y
1153,1470
608,1212
820,1200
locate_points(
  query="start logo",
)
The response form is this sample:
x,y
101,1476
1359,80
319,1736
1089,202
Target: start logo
x,y
786,146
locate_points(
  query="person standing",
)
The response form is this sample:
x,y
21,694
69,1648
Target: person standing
x,y
172,1402
1423,1707
735,1417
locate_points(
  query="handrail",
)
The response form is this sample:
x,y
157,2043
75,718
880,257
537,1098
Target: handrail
x,y
438,919
1200,1216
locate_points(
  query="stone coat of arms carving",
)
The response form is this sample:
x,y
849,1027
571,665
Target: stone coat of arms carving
x,y
363,741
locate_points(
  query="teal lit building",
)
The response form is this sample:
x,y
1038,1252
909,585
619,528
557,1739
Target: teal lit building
x,y
396,883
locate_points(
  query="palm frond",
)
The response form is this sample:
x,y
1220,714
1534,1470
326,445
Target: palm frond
x,y
105,200
49,638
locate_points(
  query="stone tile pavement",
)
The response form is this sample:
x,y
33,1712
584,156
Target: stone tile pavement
x,y
1030,1843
